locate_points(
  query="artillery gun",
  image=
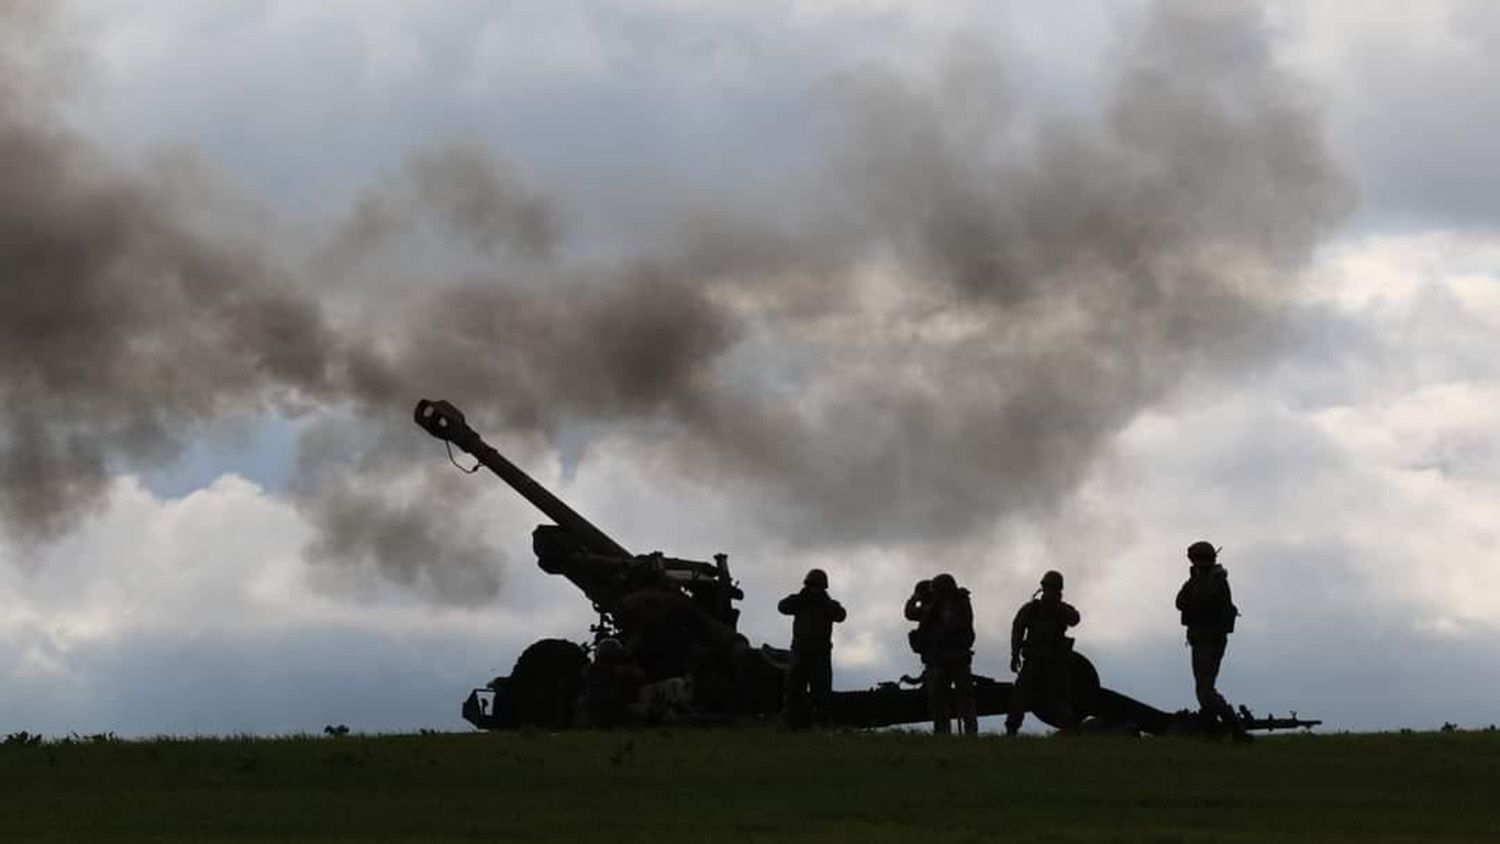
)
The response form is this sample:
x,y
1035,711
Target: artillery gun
x,y
678,623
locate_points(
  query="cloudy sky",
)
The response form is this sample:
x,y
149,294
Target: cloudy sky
x,y
885,289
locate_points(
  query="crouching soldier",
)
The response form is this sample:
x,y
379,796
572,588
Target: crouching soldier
x,y
945,639
612,686
1208,612
1039,654
809,678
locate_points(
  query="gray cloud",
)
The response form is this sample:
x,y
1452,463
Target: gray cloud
x,y
1408,114
938,325
1091,263
122,331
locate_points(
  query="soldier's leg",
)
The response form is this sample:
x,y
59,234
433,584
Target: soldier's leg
x,y
1205,674
1226,712
795,707
964,704
939,705
820,685
1062,691
1020,697
1208,656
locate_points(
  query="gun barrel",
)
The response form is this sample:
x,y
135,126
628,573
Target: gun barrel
x,y
1273,724
446,422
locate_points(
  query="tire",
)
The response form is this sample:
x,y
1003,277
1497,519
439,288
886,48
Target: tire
x,y
545,684
1083,689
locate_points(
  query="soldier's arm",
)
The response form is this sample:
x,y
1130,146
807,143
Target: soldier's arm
x,y
914,608
790,604
836,611
1018,630
1185,595
1070,615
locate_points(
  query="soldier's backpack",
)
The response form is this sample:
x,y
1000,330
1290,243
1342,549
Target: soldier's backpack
x,y
919,639
954,623
1228,613
1212,605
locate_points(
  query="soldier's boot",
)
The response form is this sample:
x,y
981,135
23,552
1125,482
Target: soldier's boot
x,y
968,717
1237,732
1016,715
1067,720
939,702
1215,709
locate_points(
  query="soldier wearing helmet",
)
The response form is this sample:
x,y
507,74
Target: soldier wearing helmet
x,y
612,684
809,678
1039,634
945,639
1208,612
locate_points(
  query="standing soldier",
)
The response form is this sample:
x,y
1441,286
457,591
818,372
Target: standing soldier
x,y
945,639
1208,613
809,679
1039,633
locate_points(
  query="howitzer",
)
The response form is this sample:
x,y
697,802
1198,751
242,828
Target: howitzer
x,y
581,552
676,621
676,617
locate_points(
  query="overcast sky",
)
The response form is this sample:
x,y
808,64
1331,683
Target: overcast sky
x,y
885,288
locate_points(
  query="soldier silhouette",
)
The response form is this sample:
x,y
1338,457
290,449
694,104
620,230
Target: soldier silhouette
x,y
945,639
1039,635
611,686
658,623
1208,613
809,678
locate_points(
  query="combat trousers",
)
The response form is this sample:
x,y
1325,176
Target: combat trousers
x,y
809,684
1208,656
1043,681
950,691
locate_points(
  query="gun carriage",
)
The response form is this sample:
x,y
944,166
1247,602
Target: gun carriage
x,y
679,624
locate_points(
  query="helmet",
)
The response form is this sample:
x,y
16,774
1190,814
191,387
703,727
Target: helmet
x,y
944,583
1052,581
817,578
1202,552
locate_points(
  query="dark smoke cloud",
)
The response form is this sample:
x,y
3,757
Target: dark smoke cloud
x,y
464,192
938,329
121,331
1059,279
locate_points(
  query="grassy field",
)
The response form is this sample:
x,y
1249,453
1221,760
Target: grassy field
x,y
753,784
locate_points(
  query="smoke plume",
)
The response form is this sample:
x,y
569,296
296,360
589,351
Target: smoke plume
x,y
936,329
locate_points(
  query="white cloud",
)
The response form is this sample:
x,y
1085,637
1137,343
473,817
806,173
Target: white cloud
x,y
199,615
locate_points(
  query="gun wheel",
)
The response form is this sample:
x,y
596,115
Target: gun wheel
x,y
1083,694
546,683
